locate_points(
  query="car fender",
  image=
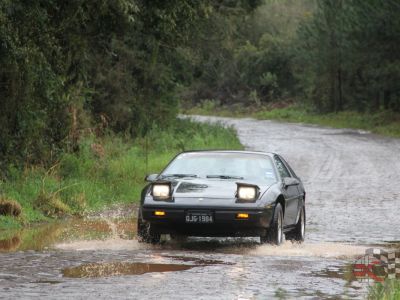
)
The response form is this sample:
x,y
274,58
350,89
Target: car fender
x,y
271,195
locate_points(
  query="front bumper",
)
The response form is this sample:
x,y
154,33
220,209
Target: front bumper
x,y
224,223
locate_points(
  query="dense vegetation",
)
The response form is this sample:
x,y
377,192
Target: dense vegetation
x,y
71,66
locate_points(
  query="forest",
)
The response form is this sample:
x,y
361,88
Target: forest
x,y
125,66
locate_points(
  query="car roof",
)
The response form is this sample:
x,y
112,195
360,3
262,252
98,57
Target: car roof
x,y
270,154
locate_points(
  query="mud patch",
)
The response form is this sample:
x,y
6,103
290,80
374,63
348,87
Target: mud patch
x,y
198,261
95,270
47,281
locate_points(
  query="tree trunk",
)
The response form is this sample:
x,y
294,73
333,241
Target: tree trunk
x,y
340,96
386,99
376,101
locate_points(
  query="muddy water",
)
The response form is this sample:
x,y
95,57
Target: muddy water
x,y
352,202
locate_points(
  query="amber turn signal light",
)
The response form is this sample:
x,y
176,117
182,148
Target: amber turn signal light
x,y
242,216
159,213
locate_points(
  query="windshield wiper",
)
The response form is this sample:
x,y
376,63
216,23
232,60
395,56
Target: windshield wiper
x,y
224,177
178,175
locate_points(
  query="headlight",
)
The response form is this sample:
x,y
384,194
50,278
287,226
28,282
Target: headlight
x,y
161,191
247,192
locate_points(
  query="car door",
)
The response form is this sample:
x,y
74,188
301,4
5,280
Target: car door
x,y
300,188
290,192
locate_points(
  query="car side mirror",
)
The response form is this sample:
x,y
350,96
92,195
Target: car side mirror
x,y
289,181
151,177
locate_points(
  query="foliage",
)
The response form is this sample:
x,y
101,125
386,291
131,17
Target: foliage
x,y
332,55
247,56
66,65
388,290
348,58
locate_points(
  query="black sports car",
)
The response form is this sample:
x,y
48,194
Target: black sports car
x,y
224,193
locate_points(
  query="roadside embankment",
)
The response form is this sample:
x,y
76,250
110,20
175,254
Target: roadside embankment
x,y
106,170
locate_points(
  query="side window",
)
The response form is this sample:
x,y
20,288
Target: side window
x,y
283,171
290,169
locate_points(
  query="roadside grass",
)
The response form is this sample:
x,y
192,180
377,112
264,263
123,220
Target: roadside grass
x,y
105,171
388,290
384,122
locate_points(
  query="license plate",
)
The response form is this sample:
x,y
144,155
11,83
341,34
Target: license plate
x,y
199,217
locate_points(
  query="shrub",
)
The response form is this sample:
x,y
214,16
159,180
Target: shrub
x,y
10,207
51,204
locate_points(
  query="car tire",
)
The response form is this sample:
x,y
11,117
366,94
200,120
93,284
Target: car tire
x,y
298,233
275,232
145,234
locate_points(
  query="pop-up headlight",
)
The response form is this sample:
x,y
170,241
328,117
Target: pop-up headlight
x,y
247,192
161,191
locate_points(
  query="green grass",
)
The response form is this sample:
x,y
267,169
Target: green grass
x,y
384,122
388,290
105,171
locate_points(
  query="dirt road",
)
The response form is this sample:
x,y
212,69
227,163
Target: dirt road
x,y
353,203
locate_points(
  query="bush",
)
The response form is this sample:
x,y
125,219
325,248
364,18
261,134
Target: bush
x,y
51,204
10,208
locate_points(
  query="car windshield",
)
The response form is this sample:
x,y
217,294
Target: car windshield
x,y
222,166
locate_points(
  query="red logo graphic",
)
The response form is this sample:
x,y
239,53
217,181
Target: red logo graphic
x,y
377,264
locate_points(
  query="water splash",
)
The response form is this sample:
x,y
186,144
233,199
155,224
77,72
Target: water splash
x,y
326,250
115,239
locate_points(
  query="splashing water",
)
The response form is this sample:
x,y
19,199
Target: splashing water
x,y
325,250
116,238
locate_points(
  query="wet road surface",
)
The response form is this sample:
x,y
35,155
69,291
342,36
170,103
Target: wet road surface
x,y
352,203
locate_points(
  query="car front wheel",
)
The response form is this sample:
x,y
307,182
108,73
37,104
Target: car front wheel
x,y
275,232
145,233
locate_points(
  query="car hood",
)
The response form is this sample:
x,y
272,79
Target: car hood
x,y
210,188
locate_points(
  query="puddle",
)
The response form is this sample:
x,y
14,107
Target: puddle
x,y
336,272
95,270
